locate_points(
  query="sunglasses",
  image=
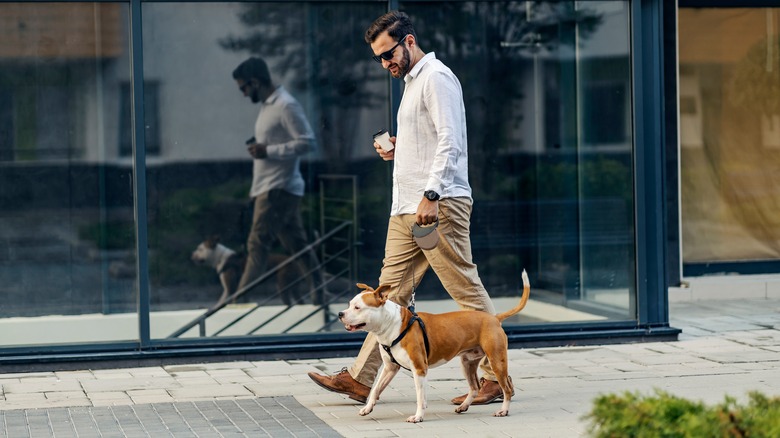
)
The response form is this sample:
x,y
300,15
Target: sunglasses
x,y
245,86
388,55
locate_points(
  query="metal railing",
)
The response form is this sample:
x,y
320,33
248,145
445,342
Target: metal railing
x,y
335,271
320,290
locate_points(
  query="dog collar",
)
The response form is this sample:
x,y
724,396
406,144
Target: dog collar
x,y
412,320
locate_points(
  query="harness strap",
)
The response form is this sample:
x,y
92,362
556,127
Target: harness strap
x,y
230,262
412,320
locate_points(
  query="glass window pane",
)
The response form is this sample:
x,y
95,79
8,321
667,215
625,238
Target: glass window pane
x,y
547,91
548,101
67,258
200,174
729,133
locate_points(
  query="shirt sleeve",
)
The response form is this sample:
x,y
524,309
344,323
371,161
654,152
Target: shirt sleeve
x,y
443,98
297,126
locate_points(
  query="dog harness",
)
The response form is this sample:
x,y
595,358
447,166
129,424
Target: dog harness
x,y
412,320
231,262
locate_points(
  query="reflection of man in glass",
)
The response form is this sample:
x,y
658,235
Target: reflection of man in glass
x,y
430,183
282,136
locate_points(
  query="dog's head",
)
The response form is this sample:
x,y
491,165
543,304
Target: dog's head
x,y
204,254
365,309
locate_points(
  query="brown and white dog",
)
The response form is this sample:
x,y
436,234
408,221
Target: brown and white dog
x,y
469,334
228,263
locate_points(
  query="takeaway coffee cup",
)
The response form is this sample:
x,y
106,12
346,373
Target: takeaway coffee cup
x,y
382,138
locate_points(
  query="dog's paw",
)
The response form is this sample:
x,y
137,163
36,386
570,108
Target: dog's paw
x,y
414,419
501,413
461,409
365,410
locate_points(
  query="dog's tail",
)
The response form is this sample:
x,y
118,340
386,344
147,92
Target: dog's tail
x,y
523,300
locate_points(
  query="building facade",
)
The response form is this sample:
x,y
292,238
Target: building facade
x,y
122,148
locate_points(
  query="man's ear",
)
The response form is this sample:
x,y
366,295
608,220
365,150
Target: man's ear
x,y
411,41
365,287
383,291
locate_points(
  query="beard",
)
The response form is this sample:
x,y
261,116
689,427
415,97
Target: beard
x,y
403,65
254,96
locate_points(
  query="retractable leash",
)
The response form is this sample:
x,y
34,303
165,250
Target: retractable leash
x,y
414,289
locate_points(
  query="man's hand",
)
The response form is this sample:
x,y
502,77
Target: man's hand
x,y
257,150
427,212
387,156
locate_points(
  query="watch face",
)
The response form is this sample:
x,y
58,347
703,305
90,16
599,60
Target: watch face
x,y
431,195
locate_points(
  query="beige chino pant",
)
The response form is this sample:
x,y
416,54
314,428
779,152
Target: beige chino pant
x,y
277,215
405,264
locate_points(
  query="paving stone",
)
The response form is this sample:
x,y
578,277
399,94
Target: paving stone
x,y
128,384
746,356
112,374
30,386
208,391
108,395
284,415
66,395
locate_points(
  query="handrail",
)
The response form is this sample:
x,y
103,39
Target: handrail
x,y
257,306
202,318
283,311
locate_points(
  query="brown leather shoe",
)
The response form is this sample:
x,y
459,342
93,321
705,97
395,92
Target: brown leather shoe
x,y
343,383
489,392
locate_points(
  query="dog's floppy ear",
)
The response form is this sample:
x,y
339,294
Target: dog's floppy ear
x,y
365,287
382,291
212,241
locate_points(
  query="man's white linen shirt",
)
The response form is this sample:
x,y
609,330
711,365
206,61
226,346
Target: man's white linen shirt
x,y
283,127
431,150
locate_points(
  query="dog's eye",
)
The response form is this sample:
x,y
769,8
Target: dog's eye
x,y
357,307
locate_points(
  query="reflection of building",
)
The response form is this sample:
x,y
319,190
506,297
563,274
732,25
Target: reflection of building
x,y
729,116
47,52
56,58
596,59
568,104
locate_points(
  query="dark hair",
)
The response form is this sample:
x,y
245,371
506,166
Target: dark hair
x,y
253,68
396,23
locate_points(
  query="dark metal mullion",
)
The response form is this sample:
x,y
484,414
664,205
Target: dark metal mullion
x,y
139,171
647,47
395,85
395,102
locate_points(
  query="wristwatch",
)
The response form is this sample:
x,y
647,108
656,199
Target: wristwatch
x,y
431,195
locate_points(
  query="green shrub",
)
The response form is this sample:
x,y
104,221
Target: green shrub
x,y
665,415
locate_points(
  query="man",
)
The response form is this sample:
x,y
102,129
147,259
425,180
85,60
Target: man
x,y
282,136
430,183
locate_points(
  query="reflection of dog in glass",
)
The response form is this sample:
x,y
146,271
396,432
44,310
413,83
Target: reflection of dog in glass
x,y
229,265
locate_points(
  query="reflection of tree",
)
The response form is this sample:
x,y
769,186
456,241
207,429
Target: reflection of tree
x,y
320,47
755,84
745,165
490,46
317,47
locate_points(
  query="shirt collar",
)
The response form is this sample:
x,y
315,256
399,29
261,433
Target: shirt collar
x,y
417,67
275,95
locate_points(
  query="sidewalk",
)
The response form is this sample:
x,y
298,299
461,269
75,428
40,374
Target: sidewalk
x,y
727,347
